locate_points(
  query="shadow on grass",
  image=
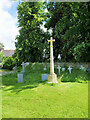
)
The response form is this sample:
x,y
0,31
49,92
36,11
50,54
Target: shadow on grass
x,y
32,80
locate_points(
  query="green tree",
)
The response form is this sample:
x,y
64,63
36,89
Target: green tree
x,y
32,40
1,46
70,24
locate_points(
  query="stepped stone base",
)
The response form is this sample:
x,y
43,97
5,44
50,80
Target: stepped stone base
x,y
52,78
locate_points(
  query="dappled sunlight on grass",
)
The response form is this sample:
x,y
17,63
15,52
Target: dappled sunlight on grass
x,y
34,98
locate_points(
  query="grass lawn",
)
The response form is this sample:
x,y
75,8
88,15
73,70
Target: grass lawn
x,y
36,99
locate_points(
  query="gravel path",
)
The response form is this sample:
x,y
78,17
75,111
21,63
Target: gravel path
x,y
5,72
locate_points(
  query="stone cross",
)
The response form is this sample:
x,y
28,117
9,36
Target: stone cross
x,y
69,69
23,66
59,69
52,77
14,69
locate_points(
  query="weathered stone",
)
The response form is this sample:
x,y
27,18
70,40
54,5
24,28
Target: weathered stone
x,y
44,77
20,77
52,78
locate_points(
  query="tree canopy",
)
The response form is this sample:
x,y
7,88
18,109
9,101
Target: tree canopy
x,y
69,22
32,40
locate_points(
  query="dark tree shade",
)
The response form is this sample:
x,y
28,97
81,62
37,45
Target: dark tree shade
x,y
70,24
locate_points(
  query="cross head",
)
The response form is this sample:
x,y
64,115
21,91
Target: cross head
x,y
51,42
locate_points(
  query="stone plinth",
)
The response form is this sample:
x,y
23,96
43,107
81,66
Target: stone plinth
x,y
52,78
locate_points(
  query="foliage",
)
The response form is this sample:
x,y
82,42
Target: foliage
x,y
32,40
70,24
76,75
2,56
1,46
8,63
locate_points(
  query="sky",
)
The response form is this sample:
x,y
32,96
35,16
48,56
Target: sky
x,y
8,23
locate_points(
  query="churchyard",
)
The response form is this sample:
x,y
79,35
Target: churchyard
x,y
34,98
40,90
48,77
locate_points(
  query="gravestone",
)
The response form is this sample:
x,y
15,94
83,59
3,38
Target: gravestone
x,y
82,68
45,68
59,57
23,67
20,78
59,69
52,77
44,77
63,69
69,69
14,69
26,64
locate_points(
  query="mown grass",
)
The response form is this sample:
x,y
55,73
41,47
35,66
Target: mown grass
x,y
36,99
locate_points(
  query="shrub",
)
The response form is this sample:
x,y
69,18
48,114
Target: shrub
x,y
1,59
8,63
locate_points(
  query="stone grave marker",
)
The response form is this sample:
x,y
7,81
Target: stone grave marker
x,y
59,57
20,77
82,68
69,68
44,77
14,68
23,67
45,68
59,69
63,69
26,64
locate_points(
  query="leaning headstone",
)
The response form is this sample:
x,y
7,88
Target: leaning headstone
x,y
14,69
69,69
59,69
63,69
20,78
23,67
44,77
